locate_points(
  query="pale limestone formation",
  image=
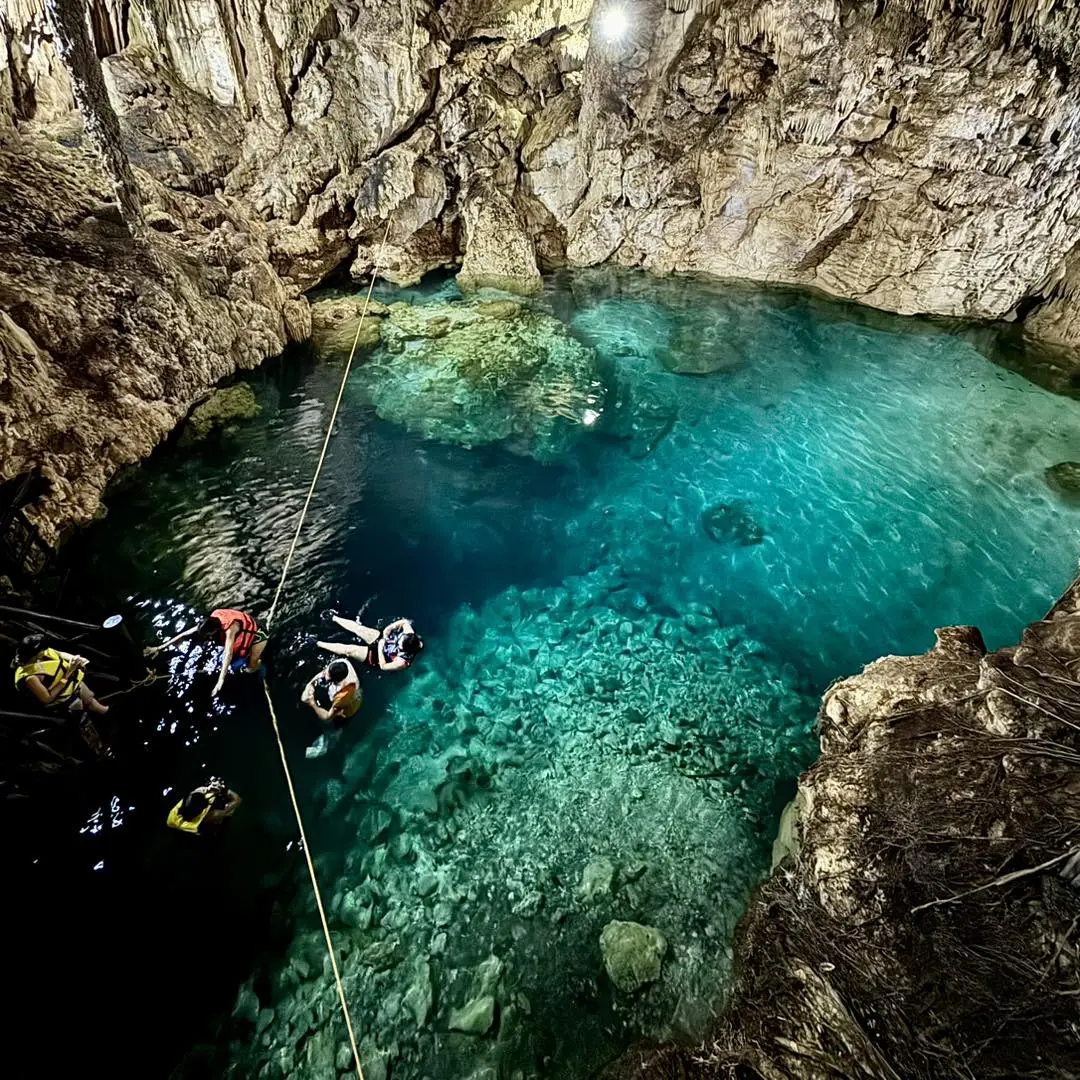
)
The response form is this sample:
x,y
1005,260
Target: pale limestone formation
x,y
901,155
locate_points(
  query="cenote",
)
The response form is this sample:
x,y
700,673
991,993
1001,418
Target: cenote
x,y
636,568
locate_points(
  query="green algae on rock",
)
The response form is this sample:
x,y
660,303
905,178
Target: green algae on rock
x,y
219,412
632,954
474,373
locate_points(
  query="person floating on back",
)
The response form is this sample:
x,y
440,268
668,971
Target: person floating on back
x,y
343,690
236,631
54,678
392,648
203,809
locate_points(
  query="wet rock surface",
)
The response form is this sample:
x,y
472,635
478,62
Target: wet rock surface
x,y
919,161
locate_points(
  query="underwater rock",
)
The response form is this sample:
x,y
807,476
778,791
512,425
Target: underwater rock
x,y
731,523
374,1062
247,1005
529,905
596,880
487,976
222,408
475,1017
1064,478
453,373
380,955
418,998
499,309
426,883
334,323
632,954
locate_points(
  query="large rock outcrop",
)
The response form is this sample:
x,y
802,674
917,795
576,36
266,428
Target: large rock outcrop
x,y
920,929
906,155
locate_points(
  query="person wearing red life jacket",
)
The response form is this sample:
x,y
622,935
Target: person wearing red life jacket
x,y
237,632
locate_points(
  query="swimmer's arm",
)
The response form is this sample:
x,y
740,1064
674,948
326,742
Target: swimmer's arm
x,y
153,650
37,688
226,659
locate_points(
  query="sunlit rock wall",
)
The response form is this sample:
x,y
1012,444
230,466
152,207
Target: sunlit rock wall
x,y
898,154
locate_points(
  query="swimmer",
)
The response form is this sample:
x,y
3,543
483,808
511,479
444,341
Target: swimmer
x,y
236,631
204,808
392,648
54,678
343,689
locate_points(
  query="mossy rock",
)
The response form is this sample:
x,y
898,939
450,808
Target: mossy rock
x,y
474,373
1064,478
632,954
222,409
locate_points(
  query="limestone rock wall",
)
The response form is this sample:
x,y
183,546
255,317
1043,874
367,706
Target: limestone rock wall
x,y
904,154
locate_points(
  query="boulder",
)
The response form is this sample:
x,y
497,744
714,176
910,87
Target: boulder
x,y
418,998
498,251
632,954
1064,478
219,411
334,323
596,880
475,1017
466,374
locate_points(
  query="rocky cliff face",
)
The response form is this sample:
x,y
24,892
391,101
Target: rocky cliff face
x,y
897,154
922,929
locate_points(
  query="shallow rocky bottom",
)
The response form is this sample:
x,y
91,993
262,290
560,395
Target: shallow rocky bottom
x,y
573,765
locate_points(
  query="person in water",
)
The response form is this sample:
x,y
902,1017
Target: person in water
x,y
204,808
392,648
238,634
342,686
54,678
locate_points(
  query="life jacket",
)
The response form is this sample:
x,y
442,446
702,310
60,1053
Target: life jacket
x,y
50,667
176,821
245,636
346,696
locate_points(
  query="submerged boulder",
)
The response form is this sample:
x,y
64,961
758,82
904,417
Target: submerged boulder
x,y
474,1017
731,523
632,954
334,323
474,373
221,409
1064,478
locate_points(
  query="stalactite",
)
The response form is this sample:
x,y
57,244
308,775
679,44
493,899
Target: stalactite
x,y
76,49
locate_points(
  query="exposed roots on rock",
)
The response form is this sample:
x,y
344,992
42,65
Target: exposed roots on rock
x,y
923,930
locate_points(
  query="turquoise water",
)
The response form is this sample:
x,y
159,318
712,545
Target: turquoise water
x,y
634,584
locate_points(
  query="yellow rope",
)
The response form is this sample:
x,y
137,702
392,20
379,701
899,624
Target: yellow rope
x,y
266,686
329,433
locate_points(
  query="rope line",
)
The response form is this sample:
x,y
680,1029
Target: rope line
x,y
329,432
266,686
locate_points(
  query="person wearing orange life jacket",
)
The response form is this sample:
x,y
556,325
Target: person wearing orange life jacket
x,y
205,807
238,634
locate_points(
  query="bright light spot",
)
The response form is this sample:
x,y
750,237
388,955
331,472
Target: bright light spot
x,y
614,22
100,865
590,417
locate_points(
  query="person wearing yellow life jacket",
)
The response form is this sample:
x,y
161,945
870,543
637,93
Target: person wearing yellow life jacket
x,y
343,690
54,678
204,808
237,632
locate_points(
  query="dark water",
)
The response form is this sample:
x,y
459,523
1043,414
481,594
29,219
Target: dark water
x,y
835,489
